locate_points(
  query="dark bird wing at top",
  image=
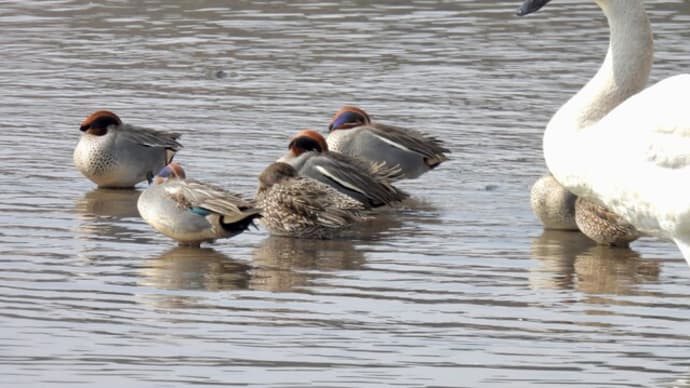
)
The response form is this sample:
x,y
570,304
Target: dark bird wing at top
x,y
151,137
429,146
354,178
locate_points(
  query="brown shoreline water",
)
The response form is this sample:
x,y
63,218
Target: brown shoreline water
x,y
461,289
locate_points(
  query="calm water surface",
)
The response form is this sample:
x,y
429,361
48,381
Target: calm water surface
x,y
461,289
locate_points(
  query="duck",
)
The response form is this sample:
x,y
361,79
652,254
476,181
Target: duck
x,y
368,183
298,206
193,212
352,132
602,225
638,152
116,155
559,209
553,205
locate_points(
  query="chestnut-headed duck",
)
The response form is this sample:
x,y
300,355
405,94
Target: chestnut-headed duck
x,y
366,182
117,155
352,132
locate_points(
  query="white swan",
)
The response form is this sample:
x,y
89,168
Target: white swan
x,y
635,160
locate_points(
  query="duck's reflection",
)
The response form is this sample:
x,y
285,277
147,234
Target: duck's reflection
x,y
283,264
607,270
101,212
555,252
378,226
190,268
108,203
571,260
408,219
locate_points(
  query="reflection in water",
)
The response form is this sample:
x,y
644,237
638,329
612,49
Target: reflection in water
x,y
108,203
408,219
384,222
283,264
102,212
555,251
683,382
607,270
280,264
190,268
571,260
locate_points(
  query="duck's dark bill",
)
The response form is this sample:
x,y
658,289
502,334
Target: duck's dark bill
x,y
530,6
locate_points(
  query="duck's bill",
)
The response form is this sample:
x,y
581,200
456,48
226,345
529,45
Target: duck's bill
x,y
530,6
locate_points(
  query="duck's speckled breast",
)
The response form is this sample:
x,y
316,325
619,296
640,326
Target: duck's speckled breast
x,y
112,160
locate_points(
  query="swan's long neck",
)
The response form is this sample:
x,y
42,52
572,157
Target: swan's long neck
x,y
624,73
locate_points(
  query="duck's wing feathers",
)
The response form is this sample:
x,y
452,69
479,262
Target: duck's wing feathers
x,y
313,200
199,196
384,171
150,137
429,146
381,171
355,175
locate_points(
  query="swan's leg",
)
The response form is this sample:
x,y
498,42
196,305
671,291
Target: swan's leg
x,y
684,249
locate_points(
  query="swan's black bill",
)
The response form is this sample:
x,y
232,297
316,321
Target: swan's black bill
x,y
530,6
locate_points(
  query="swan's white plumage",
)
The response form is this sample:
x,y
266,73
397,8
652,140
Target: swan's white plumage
x,y
635,159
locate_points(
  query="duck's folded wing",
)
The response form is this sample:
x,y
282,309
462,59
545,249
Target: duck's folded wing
x,y
410,139
321,204
202,196
381,171
151,137
355,176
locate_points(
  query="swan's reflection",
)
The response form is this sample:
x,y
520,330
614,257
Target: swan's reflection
x,y
571,260
102,211
190,268
283,264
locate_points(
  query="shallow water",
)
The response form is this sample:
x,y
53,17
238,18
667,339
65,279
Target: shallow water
x,y
461,289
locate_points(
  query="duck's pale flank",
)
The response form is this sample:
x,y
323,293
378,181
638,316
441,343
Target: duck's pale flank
x,y
192,212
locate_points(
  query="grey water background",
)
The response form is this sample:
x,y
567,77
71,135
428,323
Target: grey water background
x,y
461,289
